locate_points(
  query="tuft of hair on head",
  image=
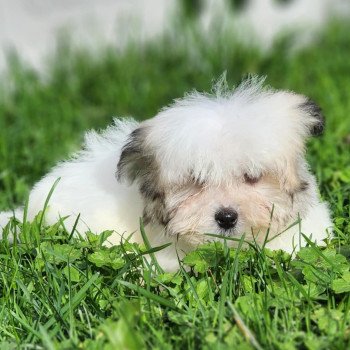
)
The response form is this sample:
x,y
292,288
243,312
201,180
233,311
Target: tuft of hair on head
x,y
251,85
220,86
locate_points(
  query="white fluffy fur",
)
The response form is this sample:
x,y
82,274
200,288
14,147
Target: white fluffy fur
x,y
227,134
201,147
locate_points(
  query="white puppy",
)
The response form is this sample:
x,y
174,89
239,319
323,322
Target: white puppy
x,y
229,163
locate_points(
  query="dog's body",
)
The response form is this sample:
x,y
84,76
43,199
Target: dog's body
x,y
228,164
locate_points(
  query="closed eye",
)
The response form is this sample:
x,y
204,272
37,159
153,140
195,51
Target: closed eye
x,y
251,180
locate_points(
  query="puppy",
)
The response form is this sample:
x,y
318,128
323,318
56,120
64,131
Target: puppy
x,y
227,163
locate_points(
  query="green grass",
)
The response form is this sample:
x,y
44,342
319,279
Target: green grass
x,y
62,292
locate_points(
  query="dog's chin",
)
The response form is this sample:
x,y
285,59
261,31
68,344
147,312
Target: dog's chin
x,y
195,238
188,238
192,239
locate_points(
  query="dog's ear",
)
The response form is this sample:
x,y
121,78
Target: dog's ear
x,y
315,112
133,159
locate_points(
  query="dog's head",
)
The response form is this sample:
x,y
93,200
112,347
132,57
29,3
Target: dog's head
x,y
227,163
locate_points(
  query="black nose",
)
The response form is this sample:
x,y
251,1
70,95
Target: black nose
x,y
226,218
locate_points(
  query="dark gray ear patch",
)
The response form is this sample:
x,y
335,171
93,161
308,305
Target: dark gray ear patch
x,y
314,111
137,162
133,159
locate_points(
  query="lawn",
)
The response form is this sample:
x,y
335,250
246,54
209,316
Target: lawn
x,y
58,291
